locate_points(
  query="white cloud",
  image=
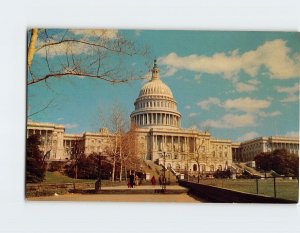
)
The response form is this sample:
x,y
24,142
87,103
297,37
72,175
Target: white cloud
x,y
232,121
187,107
71,126
74,47
247,136
292,134
192,114
103,33
245,87
169,71
292,93
205,104
274,55
60,118
290,98
246,104
269,114
64,48
288,90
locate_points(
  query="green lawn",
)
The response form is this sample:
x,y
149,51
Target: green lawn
x,y
58,178
286,189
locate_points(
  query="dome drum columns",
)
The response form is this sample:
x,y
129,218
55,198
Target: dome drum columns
x,y
158,119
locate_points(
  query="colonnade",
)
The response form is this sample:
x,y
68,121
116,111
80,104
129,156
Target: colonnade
x,y
156,119
173,143
45,134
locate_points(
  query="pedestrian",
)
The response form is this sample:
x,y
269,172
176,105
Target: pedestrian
x,y
136,179
128,184
160,180
153,180
131,180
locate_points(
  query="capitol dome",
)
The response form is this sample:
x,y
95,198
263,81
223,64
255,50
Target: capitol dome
x,y
155,105
155,87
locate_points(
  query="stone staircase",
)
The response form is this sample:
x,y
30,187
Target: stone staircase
x,y
252,171
157,170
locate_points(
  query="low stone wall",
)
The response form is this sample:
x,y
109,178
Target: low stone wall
x,y
34,190
221,195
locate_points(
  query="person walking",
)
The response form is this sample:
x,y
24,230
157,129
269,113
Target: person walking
x,y
131,180
160,179
153,180
136,179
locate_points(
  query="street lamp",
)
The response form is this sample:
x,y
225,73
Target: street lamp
x,y
164,173
98,182
169,170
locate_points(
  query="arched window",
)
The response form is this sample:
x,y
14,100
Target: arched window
x,y
195,167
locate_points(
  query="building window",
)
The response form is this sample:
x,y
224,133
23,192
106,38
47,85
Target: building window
x,y
195,167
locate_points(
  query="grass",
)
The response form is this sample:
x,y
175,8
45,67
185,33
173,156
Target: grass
x,y
58,178
285,189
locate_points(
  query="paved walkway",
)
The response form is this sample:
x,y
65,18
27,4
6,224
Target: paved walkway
x,y
144,187
120,198
143,193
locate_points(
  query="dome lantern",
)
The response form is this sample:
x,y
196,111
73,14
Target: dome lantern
x,y
155,71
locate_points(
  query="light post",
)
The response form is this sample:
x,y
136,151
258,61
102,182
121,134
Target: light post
x,y
98,182
169,170
164,174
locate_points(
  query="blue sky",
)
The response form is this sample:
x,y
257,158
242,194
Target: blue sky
x,y
238,84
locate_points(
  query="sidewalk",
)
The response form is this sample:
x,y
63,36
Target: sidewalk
x,y
144,187
141,189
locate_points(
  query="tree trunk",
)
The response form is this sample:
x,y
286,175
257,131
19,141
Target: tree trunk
x,y
114,169
121,171
31,48
76,171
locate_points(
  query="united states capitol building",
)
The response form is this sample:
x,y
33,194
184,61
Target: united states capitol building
x,y
160,136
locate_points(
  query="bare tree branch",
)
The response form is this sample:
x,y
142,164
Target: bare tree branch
x,y
44,108
118,48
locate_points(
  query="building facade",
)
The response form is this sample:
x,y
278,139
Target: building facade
x,y
246,151
59,146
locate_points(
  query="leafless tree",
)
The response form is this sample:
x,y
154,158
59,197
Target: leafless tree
x,y
131,150
81,53
98,54
118,125
199,156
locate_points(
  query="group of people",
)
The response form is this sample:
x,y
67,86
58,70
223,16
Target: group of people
x,y
161,180
133,180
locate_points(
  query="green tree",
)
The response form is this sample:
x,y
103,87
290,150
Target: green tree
x,y
279,161
35,165
88,167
